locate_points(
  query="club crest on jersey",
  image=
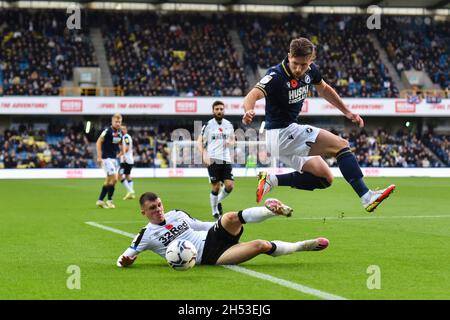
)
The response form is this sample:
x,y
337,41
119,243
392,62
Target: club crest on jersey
x,y
117,137
307,79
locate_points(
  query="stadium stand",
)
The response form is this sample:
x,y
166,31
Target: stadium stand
x,y
37,54
174,55
381,148
68,147
439,144
199,58
345,54
418,43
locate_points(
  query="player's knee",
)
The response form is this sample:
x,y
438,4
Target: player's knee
x,y
229,188
329,179
325,183
342,143
262,245
231,218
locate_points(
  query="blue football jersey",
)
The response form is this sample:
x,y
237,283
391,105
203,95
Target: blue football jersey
x,y
111,140
285,94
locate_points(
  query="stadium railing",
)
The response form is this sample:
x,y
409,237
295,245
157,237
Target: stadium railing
x,y
430,95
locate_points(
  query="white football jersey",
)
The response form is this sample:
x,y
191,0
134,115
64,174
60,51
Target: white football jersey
x,y
178,225
128,157
216,136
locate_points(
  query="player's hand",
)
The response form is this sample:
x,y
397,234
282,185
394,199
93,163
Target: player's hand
x,y
355,118
126,261
99,162
248,117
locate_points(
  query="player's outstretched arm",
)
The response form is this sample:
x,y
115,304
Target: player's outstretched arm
x,y
127,258
249,104
329,94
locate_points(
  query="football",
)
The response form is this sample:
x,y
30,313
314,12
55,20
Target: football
x,y
181,255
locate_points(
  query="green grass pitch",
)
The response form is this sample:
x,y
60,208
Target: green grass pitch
x,y
43,232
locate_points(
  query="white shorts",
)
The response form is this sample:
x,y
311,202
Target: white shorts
x,y
111,166
291,145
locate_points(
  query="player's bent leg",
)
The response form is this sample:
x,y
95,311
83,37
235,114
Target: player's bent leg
x,y
327,144
318,167
245,251
214,199
330,144
231,223
312,173
215,187
228,185
226,190
282,248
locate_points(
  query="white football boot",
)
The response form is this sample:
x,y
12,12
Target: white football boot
x,y
101,204
264,185
277,207
376,197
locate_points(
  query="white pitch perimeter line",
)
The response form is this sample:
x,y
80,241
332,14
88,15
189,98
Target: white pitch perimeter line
x,y
98,225
259,275
285,283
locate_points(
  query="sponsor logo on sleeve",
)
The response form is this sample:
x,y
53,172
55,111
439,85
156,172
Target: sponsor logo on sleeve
x,y
265,80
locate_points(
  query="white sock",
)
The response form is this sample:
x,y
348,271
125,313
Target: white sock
x,y
213,198
130,183
222,195
256,214
273,180
126,185
284,248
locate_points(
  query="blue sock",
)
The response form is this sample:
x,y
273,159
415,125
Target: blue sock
x,y
351,171
103,193
110,192
304,181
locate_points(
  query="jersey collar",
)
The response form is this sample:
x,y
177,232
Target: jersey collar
x,y
287,70
162,223
285,67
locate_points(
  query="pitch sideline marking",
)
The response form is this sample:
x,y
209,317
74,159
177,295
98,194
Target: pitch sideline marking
x,y
255,274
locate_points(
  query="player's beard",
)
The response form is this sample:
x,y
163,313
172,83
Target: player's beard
x,y
218,117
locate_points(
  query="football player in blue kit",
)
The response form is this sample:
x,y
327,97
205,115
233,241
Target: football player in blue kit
x,y
108,145
300,146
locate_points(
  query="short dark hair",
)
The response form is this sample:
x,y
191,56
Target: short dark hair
x,y
148,196
302,47
217,103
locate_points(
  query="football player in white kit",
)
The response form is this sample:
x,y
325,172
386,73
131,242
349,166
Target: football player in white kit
x,y
126,163
214,143
216,243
